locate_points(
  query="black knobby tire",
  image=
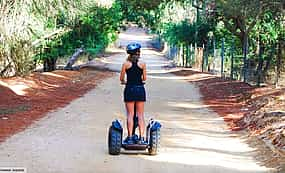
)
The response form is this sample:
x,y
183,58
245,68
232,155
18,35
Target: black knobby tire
x,y
114,141
154,143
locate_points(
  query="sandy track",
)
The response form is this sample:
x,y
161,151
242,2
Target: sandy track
x,y
73,139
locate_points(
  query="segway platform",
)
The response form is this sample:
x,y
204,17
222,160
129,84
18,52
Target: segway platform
x,y
152,143
134,146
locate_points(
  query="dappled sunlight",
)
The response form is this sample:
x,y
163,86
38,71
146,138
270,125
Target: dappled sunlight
x,y
190,78
208,140
190,105
105,3
206,158
54,75
49,85
197,78
151,52
115,50
131,37
167,77
185,146
187,125
108,61
154,66
200,76
21,86
192,135
157,64
17,87
194,74
162,71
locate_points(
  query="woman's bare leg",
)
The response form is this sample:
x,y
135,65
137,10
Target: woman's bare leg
x,y
130,117
140,114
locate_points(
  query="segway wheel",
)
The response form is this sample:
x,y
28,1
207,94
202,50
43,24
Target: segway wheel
x,y
114,141
154,143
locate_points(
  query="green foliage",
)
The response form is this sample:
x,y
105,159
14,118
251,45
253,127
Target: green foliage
x,y
179,24
142,12
181,33
255,18
93,30
267,29
185,22
130,6
48,29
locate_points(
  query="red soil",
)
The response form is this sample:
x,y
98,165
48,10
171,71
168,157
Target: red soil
x,y
42,93
232,100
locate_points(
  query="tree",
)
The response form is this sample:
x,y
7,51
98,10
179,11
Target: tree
x,y
41,31
240,17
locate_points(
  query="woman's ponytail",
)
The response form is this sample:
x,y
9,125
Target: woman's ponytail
x,y
133,58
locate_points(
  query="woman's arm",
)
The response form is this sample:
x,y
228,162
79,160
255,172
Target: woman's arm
x,y
122,74
144,72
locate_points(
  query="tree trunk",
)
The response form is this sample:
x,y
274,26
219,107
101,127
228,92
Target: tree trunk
x,y
203,60
278,64
73,59
268,61
183,55
49,64
187,56
244,50
260,64
222,57
232,60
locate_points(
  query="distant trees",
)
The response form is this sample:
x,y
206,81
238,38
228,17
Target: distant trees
x,y
257,22
41,31
255,29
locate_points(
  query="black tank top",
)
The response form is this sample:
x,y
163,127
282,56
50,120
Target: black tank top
x,y
134,74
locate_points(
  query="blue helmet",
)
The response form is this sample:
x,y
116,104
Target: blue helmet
x,y
133,48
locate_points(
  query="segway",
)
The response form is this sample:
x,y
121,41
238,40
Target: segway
x,y
152,143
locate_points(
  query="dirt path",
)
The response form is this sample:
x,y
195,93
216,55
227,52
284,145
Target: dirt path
x,y
73,139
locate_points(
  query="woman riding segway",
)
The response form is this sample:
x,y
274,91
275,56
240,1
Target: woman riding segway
x,y
134,98
134,92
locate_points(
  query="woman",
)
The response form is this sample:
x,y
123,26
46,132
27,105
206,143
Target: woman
x,y
134,93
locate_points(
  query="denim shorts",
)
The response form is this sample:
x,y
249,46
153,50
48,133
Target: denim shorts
x,y
134,93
